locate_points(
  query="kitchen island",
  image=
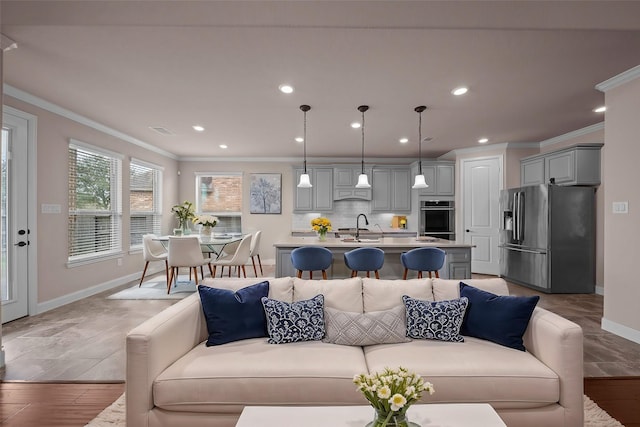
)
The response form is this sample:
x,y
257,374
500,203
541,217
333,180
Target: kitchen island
x,y
457,264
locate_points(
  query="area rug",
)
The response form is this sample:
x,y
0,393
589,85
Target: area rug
x,y
114,416
156,288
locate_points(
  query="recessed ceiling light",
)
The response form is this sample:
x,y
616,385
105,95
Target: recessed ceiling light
x,y
459,91
483,140
299,139
223,146
284,88
355,125
198,128
600,109
404,140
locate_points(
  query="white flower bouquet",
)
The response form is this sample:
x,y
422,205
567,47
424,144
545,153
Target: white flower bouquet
x,y
391,392
206,220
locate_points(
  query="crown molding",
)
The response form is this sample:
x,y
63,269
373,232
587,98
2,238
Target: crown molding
x,y
573,134
61,111
451,155
322,160
620,79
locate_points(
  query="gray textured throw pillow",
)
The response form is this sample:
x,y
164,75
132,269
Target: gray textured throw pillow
x,y
376,327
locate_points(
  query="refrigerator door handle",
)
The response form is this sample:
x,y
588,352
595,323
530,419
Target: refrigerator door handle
x,y
510,248
514,229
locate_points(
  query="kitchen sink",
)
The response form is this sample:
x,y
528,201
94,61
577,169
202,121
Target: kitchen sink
x,y
353,239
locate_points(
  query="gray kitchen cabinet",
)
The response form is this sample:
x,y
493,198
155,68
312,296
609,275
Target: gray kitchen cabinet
x,y
345,178
440,177
391,189
575,165
458,263
317,198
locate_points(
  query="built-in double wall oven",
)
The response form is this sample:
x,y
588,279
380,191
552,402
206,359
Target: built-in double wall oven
x,y
437,219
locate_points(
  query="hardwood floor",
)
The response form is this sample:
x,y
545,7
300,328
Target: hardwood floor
x,y
620,397
54,404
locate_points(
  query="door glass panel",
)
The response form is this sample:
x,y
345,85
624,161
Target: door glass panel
x,y
4,262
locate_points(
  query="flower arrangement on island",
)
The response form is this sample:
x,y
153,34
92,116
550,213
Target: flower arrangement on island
x,y
391,392
206,220
322,225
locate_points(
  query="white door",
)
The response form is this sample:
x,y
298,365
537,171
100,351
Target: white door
x,y
481,185
14,224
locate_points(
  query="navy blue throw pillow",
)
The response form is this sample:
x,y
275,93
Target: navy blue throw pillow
x,y
496,318
233,316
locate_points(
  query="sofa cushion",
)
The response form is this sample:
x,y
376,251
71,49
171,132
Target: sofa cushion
x,y
341,294
476,371
435,320
376,327
233,316
444,289
385,294
501,319
280,288
223,379
296,321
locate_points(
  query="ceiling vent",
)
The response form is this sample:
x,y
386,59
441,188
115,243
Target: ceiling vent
x,y
161,130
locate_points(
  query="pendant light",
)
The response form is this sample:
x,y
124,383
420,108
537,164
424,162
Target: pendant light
x,y
363,181
420,181
305,182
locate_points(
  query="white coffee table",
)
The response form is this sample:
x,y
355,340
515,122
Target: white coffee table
x,y
437,414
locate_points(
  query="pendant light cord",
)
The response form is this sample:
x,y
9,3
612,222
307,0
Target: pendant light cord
x,y
420,142
363,142
305,141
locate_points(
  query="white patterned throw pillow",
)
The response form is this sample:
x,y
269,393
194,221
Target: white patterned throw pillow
x,y
376,327
293,322
435,320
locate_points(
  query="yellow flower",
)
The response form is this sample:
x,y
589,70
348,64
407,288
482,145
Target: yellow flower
x,y
321,224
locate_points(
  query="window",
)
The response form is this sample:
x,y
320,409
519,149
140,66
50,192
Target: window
x,y
220,194
145,183
95,213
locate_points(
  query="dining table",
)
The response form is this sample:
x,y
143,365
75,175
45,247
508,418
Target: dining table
x,y
213,244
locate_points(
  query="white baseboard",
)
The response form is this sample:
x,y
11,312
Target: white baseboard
x,y
620,330
84,293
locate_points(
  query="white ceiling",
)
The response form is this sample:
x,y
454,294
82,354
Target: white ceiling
x,y
531,68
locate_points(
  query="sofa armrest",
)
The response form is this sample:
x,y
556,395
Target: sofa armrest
x,y
154,345
558,343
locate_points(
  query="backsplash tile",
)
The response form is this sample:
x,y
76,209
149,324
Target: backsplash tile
x,y
344,215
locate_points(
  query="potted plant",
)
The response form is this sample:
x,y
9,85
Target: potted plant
x,y
207,222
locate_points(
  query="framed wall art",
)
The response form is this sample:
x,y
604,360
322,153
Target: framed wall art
x,y
265,193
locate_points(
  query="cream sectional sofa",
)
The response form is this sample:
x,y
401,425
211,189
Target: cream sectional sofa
x,y
173,379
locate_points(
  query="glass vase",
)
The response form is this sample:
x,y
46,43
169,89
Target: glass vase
x,y
185,228
206,231
322,236
391,419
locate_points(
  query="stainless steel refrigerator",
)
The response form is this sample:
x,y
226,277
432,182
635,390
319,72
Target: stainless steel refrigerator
x,y
547,238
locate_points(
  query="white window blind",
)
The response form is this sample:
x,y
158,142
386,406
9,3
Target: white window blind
x,y
95,214
145,182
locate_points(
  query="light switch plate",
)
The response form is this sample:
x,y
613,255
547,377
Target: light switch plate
x,y
620,207
50,209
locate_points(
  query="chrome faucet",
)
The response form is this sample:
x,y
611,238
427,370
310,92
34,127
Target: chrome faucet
x,y
366,221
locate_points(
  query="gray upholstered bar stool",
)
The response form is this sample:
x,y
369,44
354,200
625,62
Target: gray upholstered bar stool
x,y
422,259
311,258
364,259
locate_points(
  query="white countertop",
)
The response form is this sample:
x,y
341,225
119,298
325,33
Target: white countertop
x,y
383,242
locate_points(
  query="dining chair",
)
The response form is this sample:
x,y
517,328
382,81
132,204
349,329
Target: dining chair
x,y
255,252
238,259
186,252
311,258
153,250
422,259
364,259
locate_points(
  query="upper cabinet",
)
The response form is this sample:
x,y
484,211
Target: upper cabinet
x,y
345,178
320,196
391,189
575,165
440,177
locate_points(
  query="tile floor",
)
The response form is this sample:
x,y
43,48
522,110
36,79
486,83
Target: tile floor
x,y
85,340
